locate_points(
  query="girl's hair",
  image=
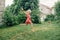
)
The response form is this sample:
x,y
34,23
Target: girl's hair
x,y
28,10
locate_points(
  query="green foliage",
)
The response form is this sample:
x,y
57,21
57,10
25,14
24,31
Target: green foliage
x,y
57,11
21,17
9,18
50,18
27,4
35,16
13,14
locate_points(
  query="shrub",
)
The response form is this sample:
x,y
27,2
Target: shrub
x,y
12,19
57,11
35,16
50,18
9,19
21,17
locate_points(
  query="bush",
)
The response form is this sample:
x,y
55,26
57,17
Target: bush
x,y
35,16
9,18
50,18
57,11
13,14
21,17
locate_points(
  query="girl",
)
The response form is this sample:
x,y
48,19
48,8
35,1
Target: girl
x,y
28,20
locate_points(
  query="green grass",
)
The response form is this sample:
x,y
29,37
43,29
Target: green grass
x,y
44,31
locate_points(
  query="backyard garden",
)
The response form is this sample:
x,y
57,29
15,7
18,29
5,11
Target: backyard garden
x,y
14,27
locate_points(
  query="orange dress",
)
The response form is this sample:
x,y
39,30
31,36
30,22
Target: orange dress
x,y
28,20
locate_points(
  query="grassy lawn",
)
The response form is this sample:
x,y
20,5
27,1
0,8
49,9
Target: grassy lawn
x,y
42,31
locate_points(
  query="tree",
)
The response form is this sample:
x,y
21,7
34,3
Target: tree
x,y
57,11
17,15
25,4
28,4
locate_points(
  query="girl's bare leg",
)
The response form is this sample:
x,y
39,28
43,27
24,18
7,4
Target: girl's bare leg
x,y
31,25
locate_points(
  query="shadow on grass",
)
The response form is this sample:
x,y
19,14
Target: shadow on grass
x,y
4,26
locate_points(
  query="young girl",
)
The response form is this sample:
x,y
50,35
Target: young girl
x,y
28,20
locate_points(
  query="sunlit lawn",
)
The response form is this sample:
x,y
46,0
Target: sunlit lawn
x,y
44,31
